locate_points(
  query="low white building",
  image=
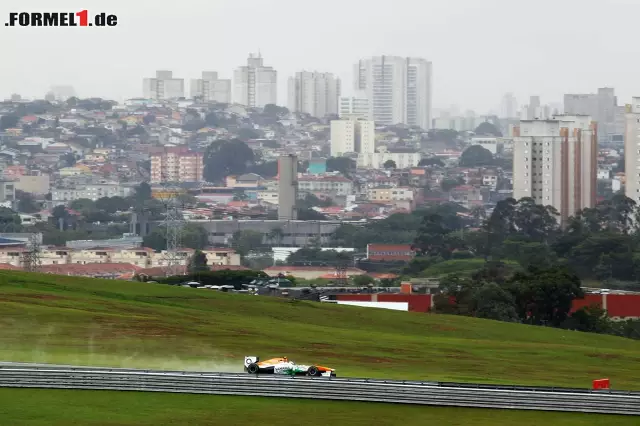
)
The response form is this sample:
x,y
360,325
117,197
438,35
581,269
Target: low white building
x,y
92,191
337,185
493,145
376,160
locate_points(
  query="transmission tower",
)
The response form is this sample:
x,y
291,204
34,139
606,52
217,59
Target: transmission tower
x,y
173,225
32,261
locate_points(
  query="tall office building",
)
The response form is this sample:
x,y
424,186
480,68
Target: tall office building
x,y
351,134
354,106
632,150
62,93
509,106
555,162
602,106
398,89
314,93
210,88
287,187
255,85
163,86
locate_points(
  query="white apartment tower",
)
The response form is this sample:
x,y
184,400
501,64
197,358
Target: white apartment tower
x,y
210,88
352,135
255,85
398,89
163,86
314,93
632,150
354,106
555,162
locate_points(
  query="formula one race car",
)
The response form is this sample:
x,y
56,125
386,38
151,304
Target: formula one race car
x,y
253,365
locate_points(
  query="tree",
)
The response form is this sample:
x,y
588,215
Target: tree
x,y
487,129
448,184
390,164
142,193
9,121
275,111
82,204
591,319
194,236
198,262
68,159
60,213
246,134
148,119
432,161
430,239
225,158
276,235
26,202
545,296
9,220
476,156
112,204
362,280
344,165
309,214
245,241
493,302
156,240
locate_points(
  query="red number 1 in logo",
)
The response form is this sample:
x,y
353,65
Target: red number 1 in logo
x,y
84,17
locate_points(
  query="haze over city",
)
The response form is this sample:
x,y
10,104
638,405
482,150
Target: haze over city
x,y
479,50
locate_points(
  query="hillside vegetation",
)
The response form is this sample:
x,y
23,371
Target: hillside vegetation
x,y
45,318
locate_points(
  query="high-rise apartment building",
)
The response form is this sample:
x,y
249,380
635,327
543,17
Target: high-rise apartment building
x,y
176,164
509,106
210,88
602,106
352,135
354,106
555,162
632,150
163,86
255,85
287,187
314,93
398,89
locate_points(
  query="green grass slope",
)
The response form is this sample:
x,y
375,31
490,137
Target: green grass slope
x,y
38,407
45,318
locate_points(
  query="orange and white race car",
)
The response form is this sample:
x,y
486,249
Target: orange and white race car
x,y
283,365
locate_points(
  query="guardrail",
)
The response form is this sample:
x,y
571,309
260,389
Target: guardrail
x,y
370,390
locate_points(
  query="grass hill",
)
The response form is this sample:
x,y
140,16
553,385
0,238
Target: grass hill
x,y
41,407
45,318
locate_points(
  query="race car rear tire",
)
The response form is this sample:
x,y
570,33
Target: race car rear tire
x,y
253,368
313,371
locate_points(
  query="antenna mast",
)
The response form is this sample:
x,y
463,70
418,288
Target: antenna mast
x,y
173,224
32,261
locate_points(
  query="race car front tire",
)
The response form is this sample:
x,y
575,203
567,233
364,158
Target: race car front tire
x,y
313,371
253,368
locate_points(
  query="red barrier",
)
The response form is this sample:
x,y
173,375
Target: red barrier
x,y
417,302
623,305
601,384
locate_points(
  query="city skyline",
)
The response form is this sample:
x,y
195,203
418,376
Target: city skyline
x,y
464,68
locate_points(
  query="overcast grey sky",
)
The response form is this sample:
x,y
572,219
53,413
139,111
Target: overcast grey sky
x,y
480,49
